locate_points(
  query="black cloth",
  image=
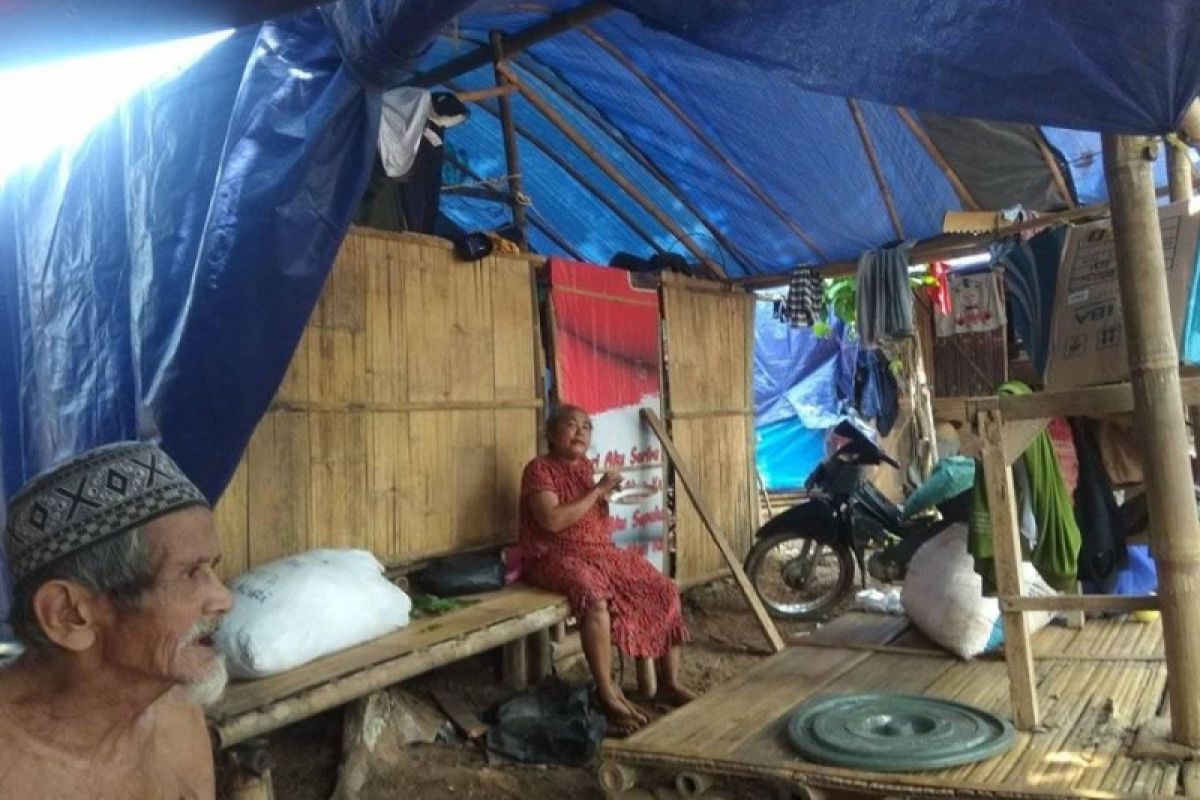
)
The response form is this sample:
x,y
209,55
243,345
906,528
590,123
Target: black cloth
x,y
420,193
805,297
1102,552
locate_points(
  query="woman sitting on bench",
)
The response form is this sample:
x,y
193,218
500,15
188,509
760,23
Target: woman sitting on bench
x,y
617,596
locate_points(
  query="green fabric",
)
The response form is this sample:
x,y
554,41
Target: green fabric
x,y
1056,554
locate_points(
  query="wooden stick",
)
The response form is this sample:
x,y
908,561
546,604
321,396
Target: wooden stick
x,y
512,154
566,166
1080,602
609,169
513,44
479,95
920,134
873,158
460,713
742,176
764,620
1158,400
1060,180
530,64
647,678
1006,544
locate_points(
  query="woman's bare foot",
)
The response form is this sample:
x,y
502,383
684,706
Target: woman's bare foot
x,y
632,708
675,695
623,718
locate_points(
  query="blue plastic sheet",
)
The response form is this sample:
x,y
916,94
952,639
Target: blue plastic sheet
x,y
1075,64
787,453
155,282
795,397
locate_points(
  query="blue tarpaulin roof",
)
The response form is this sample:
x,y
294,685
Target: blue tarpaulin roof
x,y
154,282
762,162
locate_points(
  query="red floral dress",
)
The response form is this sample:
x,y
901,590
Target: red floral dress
x,y
583,563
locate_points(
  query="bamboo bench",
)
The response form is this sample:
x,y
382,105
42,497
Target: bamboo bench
x,y
517,618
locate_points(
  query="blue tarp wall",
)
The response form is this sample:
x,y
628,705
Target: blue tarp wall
x,y
796,377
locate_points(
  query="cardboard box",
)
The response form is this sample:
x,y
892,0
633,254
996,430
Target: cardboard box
x,y
1087,335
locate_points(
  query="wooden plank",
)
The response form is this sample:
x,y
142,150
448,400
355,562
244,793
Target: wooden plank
x,y
1007,548
514,602
460,713
349,686
1080,602
277,482
731,559
724,719
1019,435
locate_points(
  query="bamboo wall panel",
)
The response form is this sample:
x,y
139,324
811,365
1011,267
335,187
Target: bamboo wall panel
x,y
407,412
710,406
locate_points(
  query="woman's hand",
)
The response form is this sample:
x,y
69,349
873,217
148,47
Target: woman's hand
x,y
609,483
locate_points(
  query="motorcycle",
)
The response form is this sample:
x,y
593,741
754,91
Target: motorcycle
x,y
803,561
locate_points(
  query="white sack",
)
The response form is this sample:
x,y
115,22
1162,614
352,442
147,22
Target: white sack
x,y
943,596
291,611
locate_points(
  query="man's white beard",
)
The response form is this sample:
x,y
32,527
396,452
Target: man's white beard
x,y
208,690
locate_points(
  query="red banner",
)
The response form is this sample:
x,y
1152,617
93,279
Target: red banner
x,y
607,360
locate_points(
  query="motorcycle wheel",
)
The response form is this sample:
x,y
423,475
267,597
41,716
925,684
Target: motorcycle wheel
x,y
798,578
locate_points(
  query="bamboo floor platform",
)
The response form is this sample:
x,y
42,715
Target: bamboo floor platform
x,y
1096,686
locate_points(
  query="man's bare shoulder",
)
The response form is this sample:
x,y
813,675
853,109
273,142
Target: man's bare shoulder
x,y
182,734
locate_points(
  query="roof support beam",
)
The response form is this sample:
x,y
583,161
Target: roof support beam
x,y
512,154
1060,180
514,44
530,64
609,169
704,139
960,188
537,221
579,177
869,149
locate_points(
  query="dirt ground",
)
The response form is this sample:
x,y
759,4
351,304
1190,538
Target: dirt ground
x,y
725,643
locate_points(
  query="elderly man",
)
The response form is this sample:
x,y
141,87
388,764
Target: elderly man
x,y
112,556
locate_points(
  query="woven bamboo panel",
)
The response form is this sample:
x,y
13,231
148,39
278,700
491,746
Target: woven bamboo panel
x,y
710,406
406,414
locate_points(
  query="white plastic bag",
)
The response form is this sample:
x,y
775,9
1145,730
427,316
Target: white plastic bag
x,y
291,611
943,596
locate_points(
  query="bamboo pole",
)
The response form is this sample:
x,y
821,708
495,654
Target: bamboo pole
x,y
1056,172
1179,183
530,64
743,177
547,29
566,166
731,560
512,156
922,137
868,146
1158,402
609,169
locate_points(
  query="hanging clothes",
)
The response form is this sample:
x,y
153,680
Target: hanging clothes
x,y
1102,553
805,298
876,395
1056,553
939,292
977,302
885,300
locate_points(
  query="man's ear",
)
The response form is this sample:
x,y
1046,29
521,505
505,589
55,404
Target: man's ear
x,y
67,614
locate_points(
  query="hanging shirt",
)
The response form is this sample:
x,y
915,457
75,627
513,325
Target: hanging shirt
x,y
806,294
977,305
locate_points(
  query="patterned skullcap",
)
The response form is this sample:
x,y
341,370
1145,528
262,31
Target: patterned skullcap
x,y
91,497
